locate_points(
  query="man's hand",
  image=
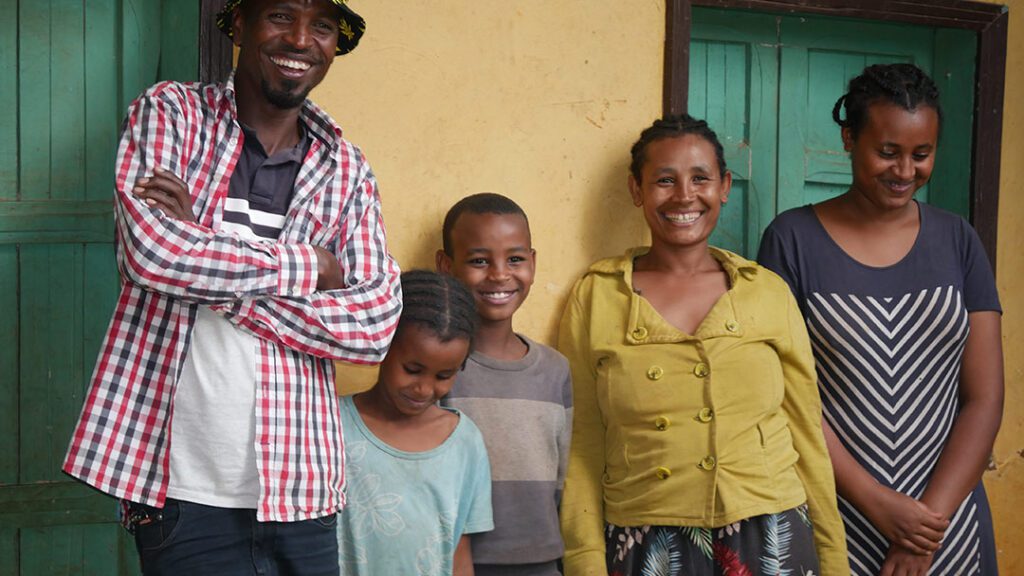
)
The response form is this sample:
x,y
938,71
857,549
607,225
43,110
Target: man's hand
x,y
328,270
167,192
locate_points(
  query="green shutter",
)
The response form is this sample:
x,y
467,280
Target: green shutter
x,y
766,84
67,73
734,86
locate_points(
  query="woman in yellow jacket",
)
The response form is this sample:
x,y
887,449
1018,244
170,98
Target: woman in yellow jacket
x,y
697,446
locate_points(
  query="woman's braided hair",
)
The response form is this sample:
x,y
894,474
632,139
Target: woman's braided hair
x,y
905,85
674,126
439,303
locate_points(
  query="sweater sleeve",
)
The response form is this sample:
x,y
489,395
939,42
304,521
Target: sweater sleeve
x,y
475,506
565,435
582,514
802,405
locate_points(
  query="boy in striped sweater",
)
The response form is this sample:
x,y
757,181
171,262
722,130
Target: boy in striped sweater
x,y
517,391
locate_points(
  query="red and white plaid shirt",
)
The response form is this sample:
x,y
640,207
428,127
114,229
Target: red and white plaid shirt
x,y
169,267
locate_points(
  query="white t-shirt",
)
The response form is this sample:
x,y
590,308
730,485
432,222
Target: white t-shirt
x,y
213,426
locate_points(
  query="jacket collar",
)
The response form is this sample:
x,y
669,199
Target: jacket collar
x,y
735,265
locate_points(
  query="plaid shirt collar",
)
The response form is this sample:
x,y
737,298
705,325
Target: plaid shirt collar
x,y
317,122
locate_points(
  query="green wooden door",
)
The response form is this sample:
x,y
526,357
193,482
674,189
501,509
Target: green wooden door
x,y
767,84
67,72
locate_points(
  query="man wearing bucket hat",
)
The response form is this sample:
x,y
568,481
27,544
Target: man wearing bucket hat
x,y
252,255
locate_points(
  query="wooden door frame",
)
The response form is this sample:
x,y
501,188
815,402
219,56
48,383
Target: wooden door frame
x,y
989,21
215,49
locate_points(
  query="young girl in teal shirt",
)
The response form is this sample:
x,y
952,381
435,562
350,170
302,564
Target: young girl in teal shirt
x,y
418,477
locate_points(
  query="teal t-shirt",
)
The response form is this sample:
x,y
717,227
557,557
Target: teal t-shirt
x,y
405,511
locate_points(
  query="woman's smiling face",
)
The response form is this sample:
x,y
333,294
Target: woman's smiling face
x,y
681,190
893,154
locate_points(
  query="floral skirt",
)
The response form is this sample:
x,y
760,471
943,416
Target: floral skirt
x,y
773,544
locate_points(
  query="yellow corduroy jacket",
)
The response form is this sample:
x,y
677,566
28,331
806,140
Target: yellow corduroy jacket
x,y
691,430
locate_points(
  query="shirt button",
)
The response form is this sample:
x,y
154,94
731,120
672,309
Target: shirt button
x,y
707,463
662,473
701,370
661,423
655,372
705,415
732,326
640,333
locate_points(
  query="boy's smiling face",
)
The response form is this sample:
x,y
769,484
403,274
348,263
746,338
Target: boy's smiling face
x,y
492,256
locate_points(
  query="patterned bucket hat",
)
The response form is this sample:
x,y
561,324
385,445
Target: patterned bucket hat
x,y
350,27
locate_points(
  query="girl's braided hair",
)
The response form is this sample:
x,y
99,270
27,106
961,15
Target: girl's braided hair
x,y
905,85
439,303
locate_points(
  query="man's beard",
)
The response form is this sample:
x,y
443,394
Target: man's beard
x,y
286,98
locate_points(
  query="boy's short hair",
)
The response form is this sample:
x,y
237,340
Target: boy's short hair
x,y
482,203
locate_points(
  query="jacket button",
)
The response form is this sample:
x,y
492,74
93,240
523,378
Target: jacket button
x,y
662,473
655,372
701,370
640,333
661,423
707,463
732,326
705,415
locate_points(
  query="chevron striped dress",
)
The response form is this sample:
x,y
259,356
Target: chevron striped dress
x,y
888,344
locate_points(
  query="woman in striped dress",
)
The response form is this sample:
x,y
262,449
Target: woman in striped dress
x,y
904,320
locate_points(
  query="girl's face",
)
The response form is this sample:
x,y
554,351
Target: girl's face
x,y
894,153
681,191
419,369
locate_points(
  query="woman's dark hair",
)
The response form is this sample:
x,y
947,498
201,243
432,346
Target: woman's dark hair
x,y
674,126
905,85
439,303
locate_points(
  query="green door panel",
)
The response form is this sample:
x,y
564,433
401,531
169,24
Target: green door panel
x,y
87,550
61,528
34,87
767,83
52,366
818,57
953,71
8,105
733,85
103,105
71,70
9,377
813,165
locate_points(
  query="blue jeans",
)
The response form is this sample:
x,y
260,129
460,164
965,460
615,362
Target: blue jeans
x,y
189,538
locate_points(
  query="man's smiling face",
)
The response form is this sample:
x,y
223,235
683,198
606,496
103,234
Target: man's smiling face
x,y
286,47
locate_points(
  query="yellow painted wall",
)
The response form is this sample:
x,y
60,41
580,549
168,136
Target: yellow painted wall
x,y
536,100
540,101
1005,484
